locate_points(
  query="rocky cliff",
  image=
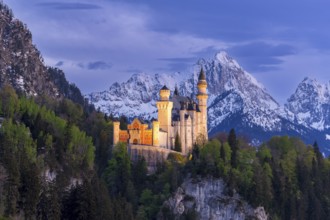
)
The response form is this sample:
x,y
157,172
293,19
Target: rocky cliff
x,y
22,65
208,198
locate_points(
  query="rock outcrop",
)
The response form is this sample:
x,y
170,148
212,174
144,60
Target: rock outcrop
x,y
208,198
22,65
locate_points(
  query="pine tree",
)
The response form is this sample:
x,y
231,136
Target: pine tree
x,y
233,143
177,143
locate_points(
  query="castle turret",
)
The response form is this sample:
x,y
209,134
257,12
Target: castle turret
x,y
183,126
116,129
202,97
164,107
155,133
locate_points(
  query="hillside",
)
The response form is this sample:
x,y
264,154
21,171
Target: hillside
x,y
22,66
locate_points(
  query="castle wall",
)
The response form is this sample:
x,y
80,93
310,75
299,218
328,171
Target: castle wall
x,y
153,155
163,139
188,132
147,139
155,133
123,136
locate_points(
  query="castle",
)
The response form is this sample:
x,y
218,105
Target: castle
x,y
179,116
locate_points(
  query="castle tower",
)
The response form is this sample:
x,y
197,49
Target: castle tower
x,y
202,97
164,107
183,127
155,133
116,129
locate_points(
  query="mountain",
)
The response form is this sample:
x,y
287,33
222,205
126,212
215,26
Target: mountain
x,y
233,93
227,81
22,66
310,105
236,100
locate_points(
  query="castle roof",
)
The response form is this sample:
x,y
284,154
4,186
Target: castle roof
x,y
190,107
176,91
183,106
164,88
197,108
202,75
175,117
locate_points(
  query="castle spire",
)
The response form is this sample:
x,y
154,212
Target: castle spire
x,y
202,102
201,75
176,91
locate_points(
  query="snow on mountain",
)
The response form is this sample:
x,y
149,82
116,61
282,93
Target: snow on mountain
x,y
236,100
310,105
224,76
233,90
135,97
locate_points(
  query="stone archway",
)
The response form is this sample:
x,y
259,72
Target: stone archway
x,y
135,141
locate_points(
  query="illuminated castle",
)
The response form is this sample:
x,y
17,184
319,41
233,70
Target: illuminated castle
x,y
176,116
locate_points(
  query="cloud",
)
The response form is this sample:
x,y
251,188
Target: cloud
x,y
97,65
69,6
177,63
261,56
262,49
59,64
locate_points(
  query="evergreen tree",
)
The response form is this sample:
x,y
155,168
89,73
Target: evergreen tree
x,y
118,173
233,143
177,143
317,152
222,153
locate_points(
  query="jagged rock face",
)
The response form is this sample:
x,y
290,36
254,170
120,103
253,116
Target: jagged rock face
x,y
232,90
310,104
207,199
21,64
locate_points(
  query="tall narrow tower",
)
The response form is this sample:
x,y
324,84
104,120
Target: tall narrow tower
x,y
202,97
164,106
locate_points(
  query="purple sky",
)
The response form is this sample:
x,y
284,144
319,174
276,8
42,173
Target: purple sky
x,y
99,42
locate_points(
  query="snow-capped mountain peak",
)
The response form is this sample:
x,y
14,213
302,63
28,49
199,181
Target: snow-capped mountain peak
x,y
310,103
236,100
240,90
224,59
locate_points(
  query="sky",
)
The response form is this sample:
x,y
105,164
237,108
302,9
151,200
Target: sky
x,y
100,42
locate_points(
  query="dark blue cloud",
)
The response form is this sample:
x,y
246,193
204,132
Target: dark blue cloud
x,y
177,63
99,65
69,6
262,49
261,56
59,63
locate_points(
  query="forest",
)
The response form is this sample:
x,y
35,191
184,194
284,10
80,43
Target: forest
x,y
57,161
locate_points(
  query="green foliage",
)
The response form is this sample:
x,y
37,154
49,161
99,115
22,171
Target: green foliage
x,y
177,143
284,175
80,147
9,101
33,139
233,143
40,138
118,173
